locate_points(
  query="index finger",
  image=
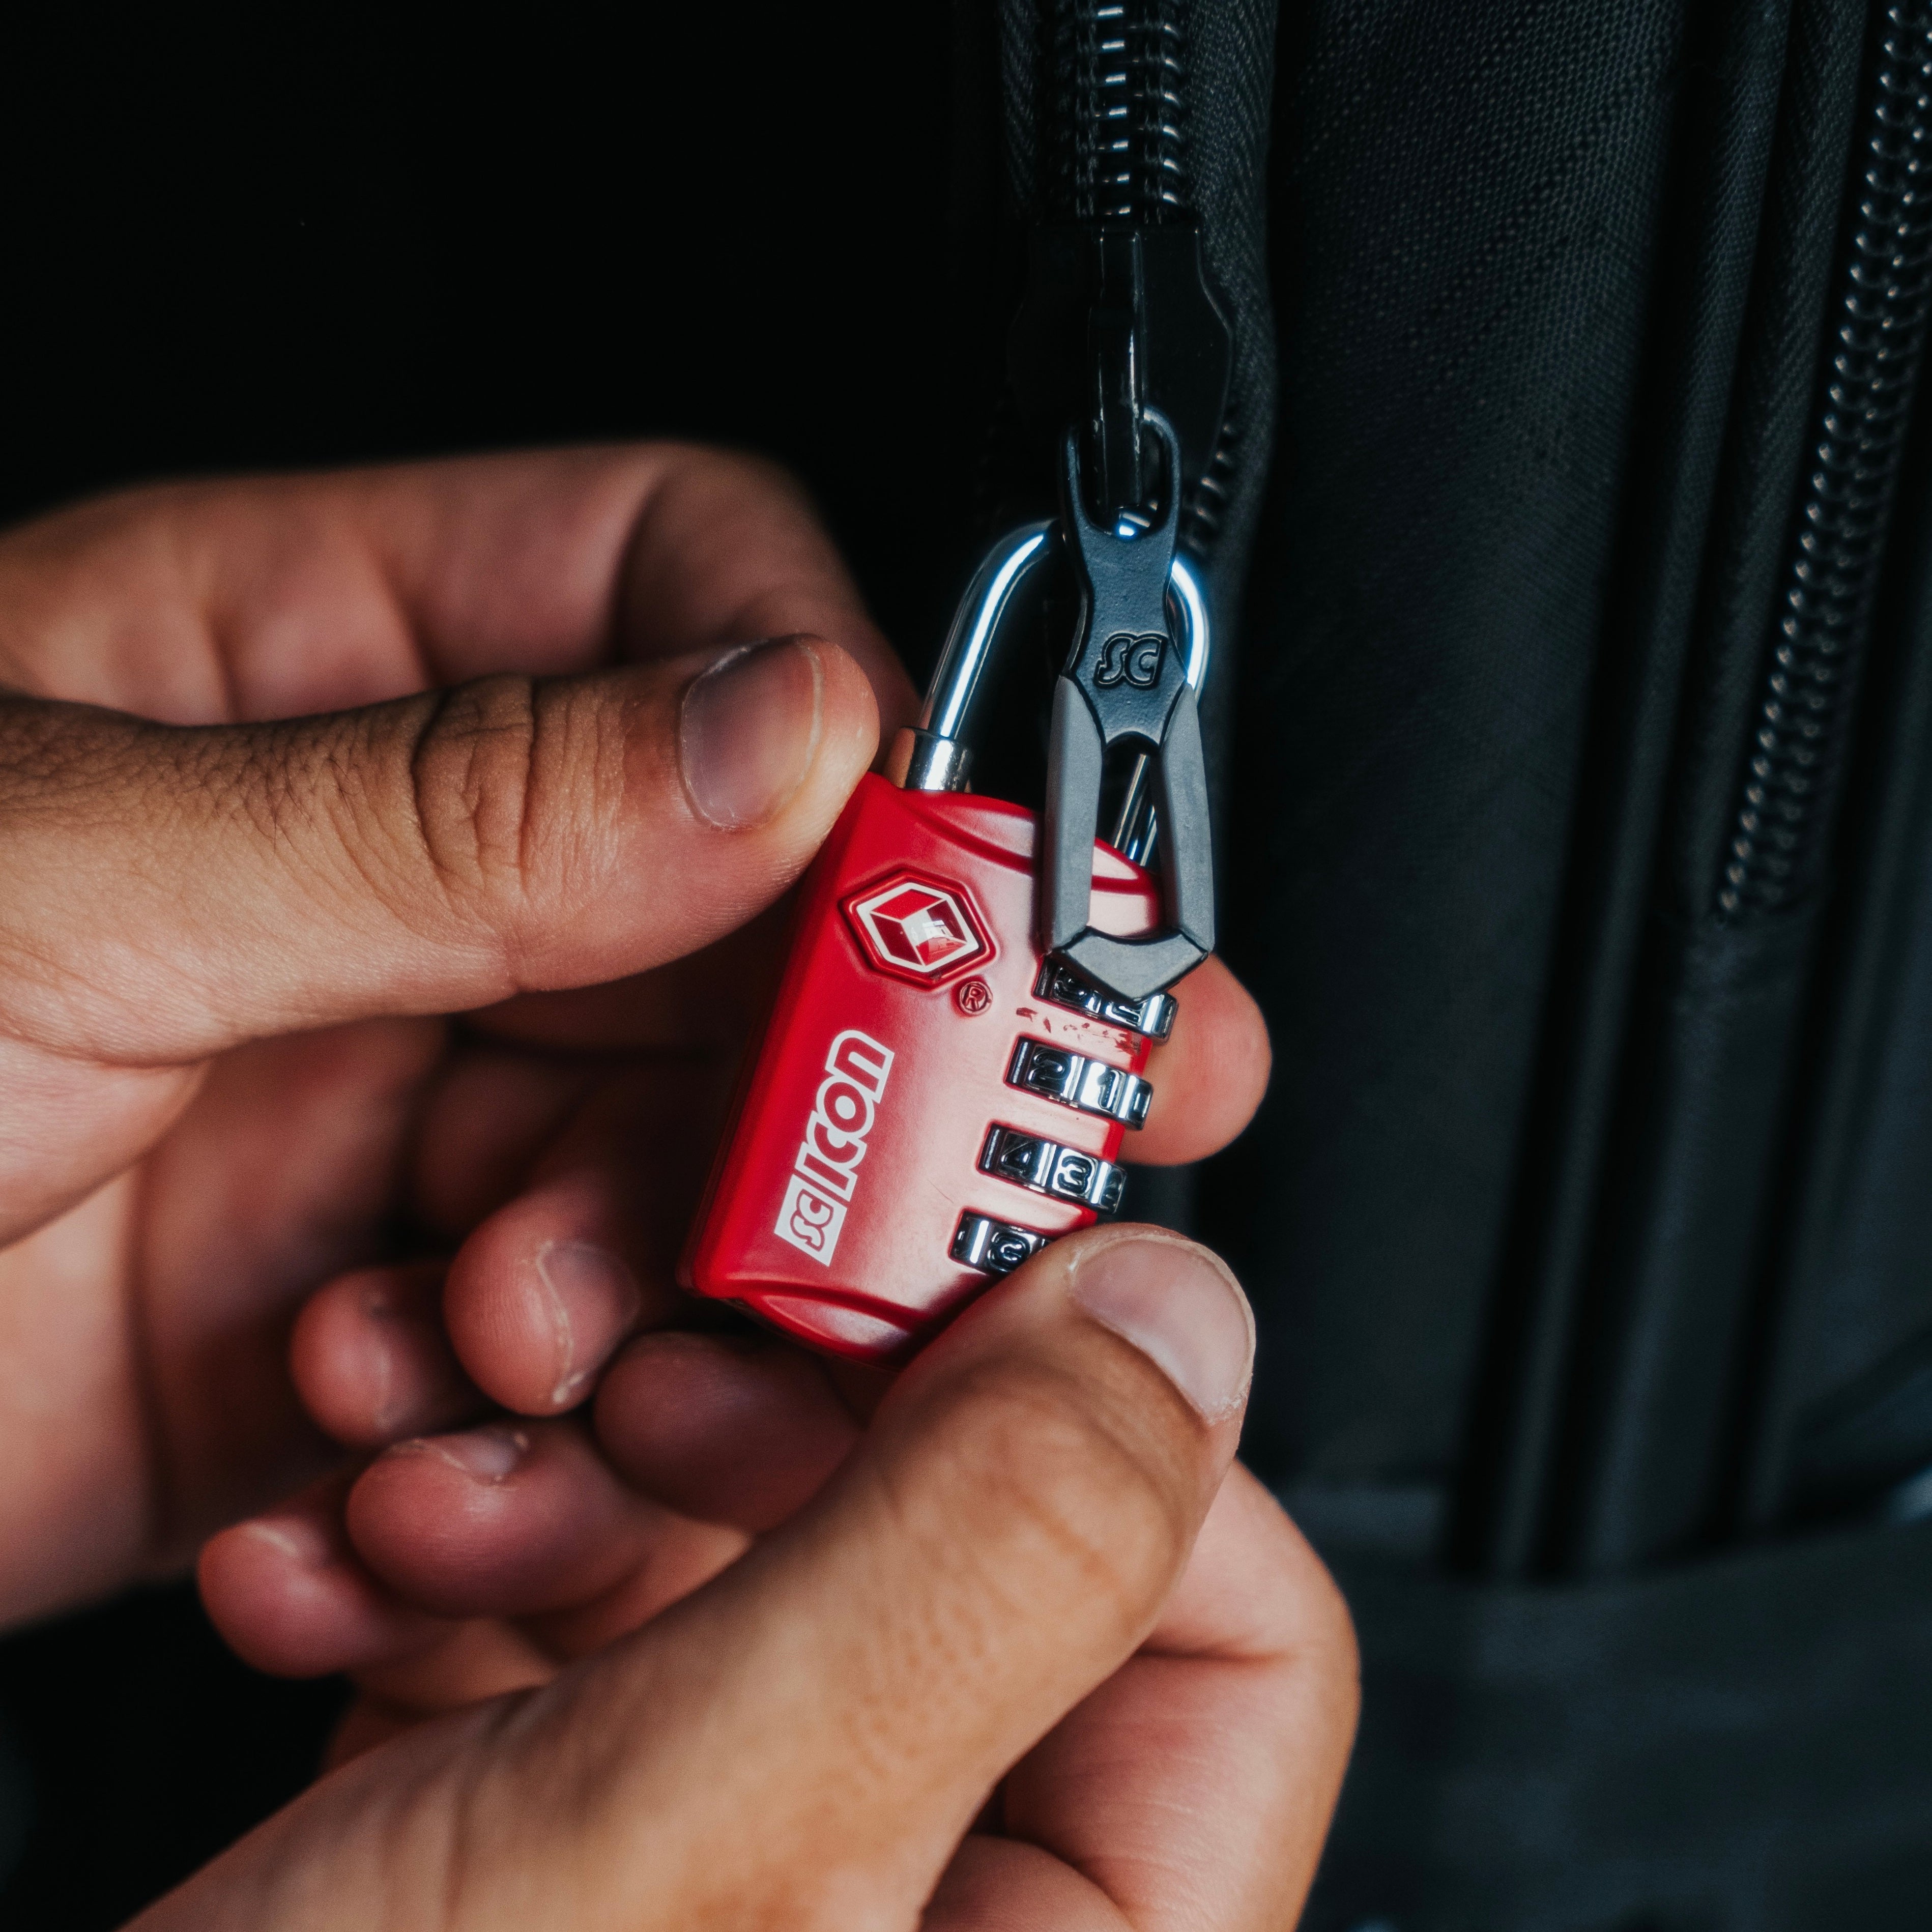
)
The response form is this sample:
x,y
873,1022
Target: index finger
x,y
252,598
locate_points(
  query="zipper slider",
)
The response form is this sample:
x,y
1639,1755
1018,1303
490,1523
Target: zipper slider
x,y
1114,325
1117,321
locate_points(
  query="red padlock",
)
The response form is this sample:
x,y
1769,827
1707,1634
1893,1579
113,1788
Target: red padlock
x,y
933,1097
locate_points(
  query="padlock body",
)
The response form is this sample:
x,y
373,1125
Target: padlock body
x,y
856,1140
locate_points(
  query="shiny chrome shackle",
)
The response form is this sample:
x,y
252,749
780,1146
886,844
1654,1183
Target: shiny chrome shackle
x,y
933,755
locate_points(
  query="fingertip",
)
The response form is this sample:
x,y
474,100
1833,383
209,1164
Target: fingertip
x,y
1108,1376
1210,1075
1178,1304
288,1596
845,740
754,723
541,1295
852,713
370,1359
504,1520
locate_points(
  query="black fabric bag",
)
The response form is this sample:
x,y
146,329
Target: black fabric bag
x,y
1576,835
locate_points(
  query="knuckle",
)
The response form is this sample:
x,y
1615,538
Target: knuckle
x,y
509,781
471,776
736,469
1063,1493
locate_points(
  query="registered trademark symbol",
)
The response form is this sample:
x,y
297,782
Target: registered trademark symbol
x,y
973,996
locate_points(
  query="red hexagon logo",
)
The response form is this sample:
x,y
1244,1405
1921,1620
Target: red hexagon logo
x,y
916,928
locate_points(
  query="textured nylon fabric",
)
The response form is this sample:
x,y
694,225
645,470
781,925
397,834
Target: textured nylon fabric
x,y
1776,395
1584,1353
1638,1455
1232,44
1845,1406
1467,209
1714,1749
1588,1238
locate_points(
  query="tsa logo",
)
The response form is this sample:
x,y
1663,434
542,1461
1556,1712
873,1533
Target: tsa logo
x,y
916,929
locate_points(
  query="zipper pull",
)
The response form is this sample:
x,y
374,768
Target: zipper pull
x,y
1126,681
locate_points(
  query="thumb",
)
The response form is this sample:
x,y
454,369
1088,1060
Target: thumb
x,y
172,891
805,1741
1003,1539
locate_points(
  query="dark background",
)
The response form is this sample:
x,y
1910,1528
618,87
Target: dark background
x,y
321,238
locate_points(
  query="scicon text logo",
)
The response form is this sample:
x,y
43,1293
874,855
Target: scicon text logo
x,y
826,1173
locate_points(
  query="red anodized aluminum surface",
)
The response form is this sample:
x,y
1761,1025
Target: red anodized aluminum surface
x,y
910,984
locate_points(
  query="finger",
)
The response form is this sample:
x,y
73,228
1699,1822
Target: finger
x,y
543,1292
485,1658
684,1558
370,1361
273,597
368,1723
152,1317
724,1430
510,1521
1006,1885
1000,1543
489,1657
173,891
1195,1785
290,1596
1209,1075
282,1173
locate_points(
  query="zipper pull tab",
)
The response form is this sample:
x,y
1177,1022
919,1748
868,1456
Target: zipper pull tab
x,y
1125,682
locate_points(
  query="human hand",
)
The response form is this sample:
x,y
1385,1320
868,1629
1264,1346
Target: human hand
x,y
187,895
464,1561
1031,1653
226,935
461,1564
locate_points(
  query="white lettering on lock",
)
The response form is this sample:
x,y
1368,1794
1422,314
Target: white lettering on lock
x,y
821,1185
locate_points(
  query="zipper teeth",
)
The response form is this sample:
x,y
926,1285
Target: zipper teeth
x,y
1777,842
1119,137
1205,503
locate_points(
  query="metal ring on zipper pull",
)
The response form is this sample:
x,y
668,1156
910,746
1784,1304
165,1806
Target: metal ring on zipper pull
x,y
1125,681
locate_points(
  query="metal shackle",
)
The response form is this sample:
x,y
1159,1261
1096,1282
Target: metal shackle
x,y
933,756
